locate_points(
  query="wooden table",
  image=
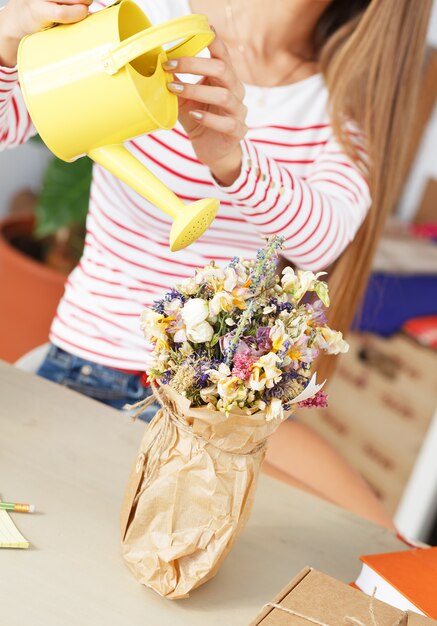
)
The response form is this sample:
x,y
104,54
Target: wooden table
x,y
71,456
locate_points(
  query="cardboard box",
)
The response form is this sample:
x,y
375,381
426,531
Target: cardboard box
x,y
320,599
381,402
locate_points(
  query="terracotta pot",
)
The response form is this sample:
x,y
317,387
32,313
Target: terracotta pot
x,y
29,292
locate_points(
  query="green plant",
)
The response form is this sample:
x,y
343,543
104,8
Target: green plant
x,y
63,199
61,209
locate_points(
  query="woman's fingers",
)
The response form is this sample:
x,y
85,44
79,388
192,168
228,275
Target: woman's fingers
x,y
221,124
208,94
69,2
66,13
218,50
219,67
215,69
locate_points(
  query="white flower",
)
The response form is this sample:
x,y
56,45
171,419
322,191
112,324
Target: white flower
x,y
321,289
288,280
149,320
216,375
278,335
180,336
185,349
222,301
232,392
274,410
195,311
154,325
231,279
209,394
268,363
200,333
229,321
173,307
331,341
257,382
294,324
212,275
306,280
269,309
161,361
188,286
194,315
298,284
228,388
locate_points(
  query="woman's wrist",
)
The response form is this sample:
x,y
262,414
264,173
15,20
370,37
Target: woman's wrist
x,y
227,170
9,41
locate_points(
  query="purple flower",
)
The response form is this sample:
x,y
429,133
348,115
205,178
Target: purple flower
x,y
252,346
300,353
246,345
263,339
317,311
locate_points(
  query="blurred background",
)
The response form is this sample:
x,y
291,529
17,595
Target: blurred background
x,y
383,400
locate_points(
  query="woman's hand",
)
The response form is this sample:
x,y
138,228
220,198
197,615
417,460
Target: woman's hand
x,y
212,111
24,17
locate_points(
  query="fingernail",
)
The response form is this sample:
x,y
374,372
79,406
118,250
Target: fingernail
x,y
176,87
171,64
196,114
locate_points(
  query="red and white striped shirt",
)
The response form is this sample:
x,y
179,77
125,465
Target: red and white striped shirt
x,y
295,181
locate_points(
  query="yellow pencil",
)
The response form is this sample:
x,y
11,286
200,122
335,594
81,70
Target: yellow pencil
x,y
18,508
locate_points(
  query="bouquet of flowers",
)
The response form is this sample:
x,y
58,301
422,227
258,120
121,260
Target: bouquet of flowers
x,y
232,358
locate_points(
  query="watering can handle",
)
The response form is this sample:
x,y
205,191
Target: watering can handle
x,y
193,29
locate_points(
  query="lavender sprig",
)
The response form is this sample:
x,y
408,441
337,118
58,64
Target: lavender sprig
x,y
267,260
242,324
265,267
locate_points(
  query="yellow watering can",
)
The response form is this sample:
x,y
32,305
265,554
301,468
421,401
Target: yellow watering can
x,y
90,86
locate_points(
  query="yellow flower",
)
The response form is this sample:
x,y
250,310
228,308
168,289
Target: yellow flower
x,y
222,301
268,363
257,382
228,388
212,276
331,341
154,326
294,353
278,335
239,297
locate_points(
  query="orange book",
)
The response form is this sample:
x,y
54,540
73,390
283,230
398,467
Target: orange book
x,y
406,580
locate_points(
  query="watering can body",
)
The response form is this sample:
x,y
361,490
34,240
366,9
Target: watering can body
x,y
92,85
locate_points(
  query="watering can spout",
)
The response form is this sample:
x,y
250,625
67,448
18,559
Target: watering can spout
x,y
190,221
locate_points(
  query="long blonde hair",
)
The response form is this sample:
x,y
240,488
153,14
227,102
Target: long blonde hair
x,y
372,64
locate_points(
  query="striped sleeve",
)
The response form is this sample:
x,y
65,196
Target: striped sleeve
x,y
319,214
16,127
15,123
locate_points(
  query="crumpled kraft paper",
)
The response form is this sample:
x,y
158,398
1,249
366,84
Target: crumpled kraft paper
x,y
190,492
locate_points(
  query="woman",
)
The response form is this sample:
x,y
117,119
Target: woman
x,y
297,122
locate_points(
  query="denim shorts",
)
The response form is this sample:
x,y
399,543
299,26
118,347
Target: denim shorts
x,y
99,382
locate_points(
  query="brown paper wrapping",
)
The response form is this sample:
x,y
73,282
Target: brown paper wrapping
x,y
190,492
